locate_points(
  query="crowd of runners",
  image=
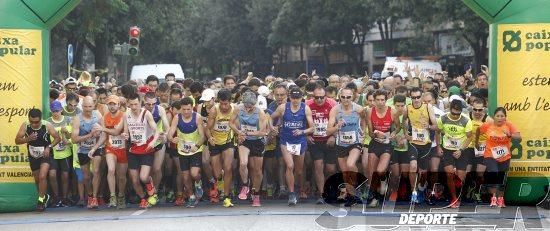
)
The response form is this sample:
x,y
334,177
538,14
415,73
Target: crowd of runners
x,y
421,139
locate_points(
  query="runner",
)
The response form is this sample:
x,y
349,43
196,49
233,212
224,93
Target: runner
x,y
62,155
36,134
116,157
207,101
324,157
250,124
400,162
455,131
295,115
475,153
86,134
142,131
159,116
497,153
380,120
274,164
173,161
419,120
189,139
220,140
345,123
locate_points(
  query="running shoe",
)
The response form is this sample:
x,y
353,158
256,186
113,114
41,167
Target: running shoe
x,y
121,202
320,201
494,202
143,204
227,202
373,203
81,203
270,191
431,198
292,200
477,197
244,192
179,200
214,194
455,205
198,189
95,203
112,201
90,202
420,196
192,202
256,201
500,202
414,197
170,197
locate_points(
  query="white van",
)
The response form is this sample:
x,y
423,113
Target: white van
x,y
159,70
395,65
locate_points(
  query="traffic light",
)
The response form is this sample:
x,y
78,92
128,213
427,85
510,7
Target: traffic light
x,y
133,40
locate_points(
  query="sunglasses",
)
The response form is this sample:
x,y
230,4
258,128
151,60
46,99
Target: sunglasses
x,y
416,97
478,109
319,97
345,97
443,91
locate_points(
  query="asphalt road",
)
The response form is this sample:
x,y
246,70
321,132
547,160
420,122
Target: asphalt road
x,y
273,215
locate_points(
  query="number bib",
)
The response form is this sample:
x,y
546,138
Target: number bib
x,y
452,143
222,126
36,152
479,152
248,128
320,129
138,137
89,143
420,135
185,146
499,151
116,141
294,149
347,137
385,140
60,146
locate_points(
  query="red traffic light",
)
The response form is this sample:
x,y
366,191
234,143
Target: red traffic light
x,y
134,31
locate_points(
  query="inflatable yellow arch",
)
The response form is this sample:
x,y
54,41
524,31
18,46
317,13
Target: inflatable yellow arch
x,y
520,81
24,75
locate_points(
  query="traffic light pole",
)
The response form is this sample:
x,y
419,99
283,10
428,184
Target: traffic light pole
x,y
122,50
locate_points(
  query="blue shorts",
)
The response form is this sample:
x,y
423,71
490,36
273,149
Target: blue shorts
x,y
79,175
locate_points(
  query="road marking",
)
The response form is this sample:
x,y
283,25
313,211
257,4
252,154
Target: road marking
x,y
139,212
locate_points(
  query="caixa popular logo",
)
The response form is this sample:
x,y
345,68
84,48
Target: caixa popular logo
x,y
514,41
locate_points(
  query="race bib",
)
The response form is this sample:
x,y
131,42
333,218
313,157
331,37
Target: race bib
x,y
116,141
479,152
320,129
248,128
294,149
89,143
347,137
420,135
60,146
222,126
499,151
185,146
36,152
385,140
452,143
138,137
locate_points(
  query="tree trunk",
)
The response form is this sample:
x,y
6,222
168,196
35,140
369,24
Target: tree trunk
x,y
101,53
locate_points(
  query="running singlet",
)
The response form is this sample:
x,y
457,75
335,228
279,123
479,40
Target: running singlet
x,y
188,135
221,132
292,121
320,116
36,147
349,132
498,143
419,120
250,122
115,142
62,149
454,131
157,118
85,129
382,124
140,133
482,137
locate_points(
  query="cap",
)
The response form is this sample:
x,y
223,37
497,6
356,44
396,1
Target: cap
x,y
208,94
143,89
70,80
263,90
456,102
376,76
113,99
53,82
262,103
55,106
454,90
295,93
